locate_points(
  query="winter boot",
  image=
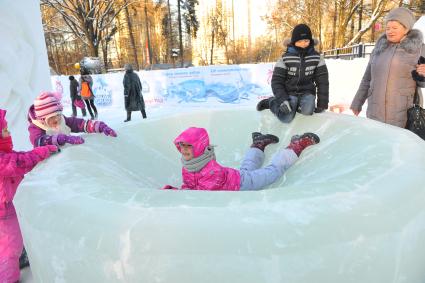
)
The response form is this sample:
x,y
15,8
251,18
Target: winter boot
x,y
143,113
263,105
128,116
299,143
260,141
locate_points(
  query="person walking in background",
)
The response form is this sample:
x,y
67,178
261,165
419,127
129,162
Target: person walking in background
x,y
13,166
298,76
388,84
133,97
86,93
75,97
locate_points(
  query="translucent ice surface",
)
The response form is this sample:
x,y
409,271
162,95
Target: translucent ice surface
x,y
350,210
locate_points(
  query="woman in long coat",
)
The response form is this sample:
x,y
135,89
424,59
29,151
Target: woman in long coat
x,y
133,96
388,84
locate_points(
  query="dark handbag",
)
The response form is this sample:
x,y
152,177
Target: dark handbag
x,y
416,117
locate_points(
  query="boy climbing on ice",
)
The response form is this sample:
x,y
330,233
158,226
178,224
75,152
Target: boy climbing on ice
x,y
297,77
202,172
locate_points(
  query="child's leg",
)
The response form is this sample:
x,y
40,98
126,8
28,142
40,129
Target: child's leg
x,y
258,179
74,108
307,104
94,107
10,248
275,108
253,159
89,108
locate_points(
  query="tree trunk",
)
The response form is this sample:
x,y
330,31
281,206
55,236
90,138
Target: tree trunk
x,y
334,23
147,34
372,32
320,26
212,46
360,19
249,32
170,33
180,34
132,42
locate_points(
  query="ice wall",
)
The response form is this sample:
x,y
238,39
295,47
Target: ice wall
x,y
24,70
350,210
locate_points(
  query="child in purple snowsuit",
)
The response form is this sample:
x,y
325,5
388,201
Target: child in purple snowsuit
x,y
13,166
49,126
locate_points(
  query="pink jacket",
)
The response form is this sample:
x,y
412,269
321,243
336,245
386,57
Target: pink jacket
x,y
13,167
213,176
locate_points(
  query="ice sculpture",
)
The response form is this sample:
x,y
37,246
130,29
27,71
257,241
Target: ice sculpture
x,y
350,210
24,69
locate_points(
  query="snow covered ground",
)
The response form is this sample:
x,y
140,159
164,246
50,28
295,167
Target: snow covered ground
x,y
377,224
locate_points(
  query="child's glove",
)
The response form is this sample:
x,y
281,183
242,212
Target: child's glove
x,y
103,128
415,75
168,187
45,151
285,107
63,139
53,149
318,110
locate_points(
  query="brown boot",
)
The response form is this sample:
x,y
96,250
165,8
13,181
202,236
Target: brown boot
x,y
299,143
260,141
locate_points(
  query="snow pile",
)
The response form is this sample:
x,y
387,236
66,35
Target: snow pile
x,y
24,71
350,210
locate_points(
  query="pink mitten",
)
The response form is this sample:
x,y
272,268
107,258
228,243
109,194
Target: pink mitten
x,y
52,148
42,151
103,128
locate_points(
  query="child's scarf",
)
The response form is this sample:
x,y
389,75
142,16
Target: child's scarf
x,y
197,163
63,128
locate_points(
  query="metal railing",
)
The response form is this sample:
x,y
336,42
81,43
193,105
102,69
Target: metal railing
x,y
355,51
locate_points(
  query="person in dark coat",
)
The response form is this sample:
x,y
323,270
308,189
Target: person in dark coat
x,y
299,77
73,90
133,96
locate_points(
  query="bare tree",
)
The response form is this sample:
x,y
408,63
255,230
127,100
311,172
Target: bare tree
x,y
132,41
376,14
90,21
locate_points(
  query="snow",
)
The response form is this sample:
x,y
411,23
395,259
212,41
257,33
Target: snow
x,y
24,70
350,210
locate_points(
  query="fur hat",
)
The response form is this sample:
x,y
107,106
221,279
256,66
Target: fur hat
x,y
46,105
300,32
402,15
128,67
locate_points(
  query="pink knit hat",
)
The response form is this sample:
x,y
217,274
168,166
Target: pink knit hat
x,y
47,105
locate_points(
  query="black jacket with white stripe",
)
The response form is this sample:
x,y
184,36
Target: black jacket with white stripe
x,y
301,71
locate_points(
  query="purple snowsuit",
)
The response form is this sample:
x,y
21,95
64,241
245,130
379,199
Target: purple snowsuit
x,y
39,137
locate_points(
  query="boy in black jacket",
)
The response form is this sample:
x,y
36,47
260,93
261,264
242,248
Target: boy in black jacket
x,y
296,76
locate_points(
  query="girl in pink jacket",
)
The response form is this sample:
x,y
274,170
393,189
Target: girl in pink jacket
x,y
201,172
13,166
49,126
